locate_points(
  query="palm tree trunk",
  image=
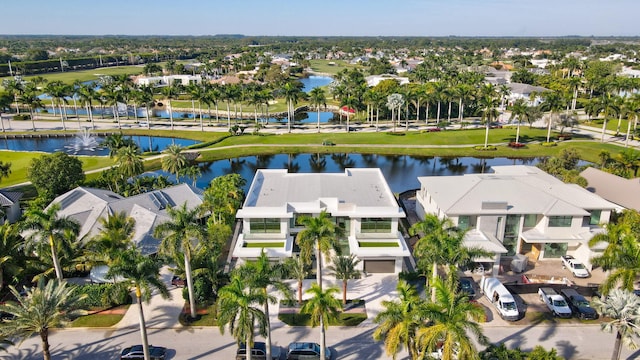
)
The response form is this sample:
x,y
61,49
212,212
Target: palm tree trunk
x,y
248,348
147,116
616,347
344,292
267,338
434,277
299,292
33,124
323,341
192,299
228,115
486,135
62,113
604,128
170,113
44,336
438,114
619,123
549,129
318,265
626,141
518,131
289,116
143,326
200,111
54,257
319,119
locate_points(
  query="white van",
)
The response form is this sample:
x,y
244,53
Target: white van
x,y
500,297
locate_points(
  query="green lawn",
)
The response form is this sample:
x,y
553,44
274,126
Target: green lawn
x,y
263,244
612,125
206,317
377,244
339,65
86,75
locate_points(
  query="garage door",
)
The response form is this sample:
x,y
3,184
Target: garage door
x,y
380,266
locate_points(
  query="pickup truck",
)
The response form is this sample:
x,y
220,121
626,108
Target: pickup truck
x,y
579,304
576,267
555,302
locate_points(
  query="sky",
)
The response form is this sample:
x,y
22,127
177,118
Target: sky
x,y
323,18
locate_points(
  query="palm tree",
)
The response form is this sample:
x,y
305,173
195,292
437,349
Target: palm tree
x,y
394,101
323,308
174,160
488,104
237,307
46,227
320,233
171,92
608,106
129,161
298,268
145,98
46,306
399,321
87,94
518,111
11,254
441,243
292,93
317,98
623,308
143,273
554,103
59,92
344,268
261,274
30,98
452,317
621,256
16,89
180,237
116,235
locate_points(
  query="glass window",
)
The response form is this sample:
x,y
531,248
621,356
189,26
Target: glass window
x,y
375,225
560,221
555,250
463,222
530,220
295,221
268,225
595,217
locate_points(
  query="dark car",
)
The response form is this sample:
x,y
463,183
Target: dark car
x,y
135,352
579,304
466,286
258,351
178,281
305,351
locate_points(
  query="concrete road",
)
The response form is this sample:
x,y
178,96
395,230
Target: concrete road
x,y
572,342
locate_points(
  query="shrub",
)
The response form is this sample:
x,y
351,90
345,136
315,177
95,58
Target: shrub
x,y
396,133
202,291
22,117
409,276
549,144
103,295
516,145
488,148
328,143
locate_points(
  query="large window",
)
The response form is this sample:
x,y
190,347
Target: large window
x,y
464,222
343,223
295,220
530,220
560,221
555,250
595,217
375,225
268,225
511,234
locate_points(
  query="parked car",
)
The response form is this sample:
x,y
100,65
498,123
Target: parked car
x,y
466,286
136,353
178,281
556,303
576,267
258,351
579,305
305,351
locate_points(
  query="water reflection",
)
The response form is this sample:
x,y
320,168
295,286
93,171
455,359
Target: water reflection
x,y
401,171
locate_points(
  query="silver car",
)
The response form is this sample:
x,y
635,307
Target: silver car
x,y
306,351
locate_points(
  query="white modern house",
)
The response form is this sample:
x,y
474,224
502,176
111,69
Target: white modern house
x,y
168,80
517,210
89,205
358,200
524,91
374,80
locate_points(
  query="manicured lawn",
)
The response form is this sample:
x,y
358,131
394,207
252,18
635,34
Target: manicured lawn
x,y
263,244
376,244
612,125
289,314
106,318
206,317
324,67
91,74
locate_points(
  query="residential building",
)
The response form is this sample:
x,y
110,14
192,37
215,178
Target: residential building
x,y
517,210
10,206
89,205
168,80
358,200
524,91
373,80
613,188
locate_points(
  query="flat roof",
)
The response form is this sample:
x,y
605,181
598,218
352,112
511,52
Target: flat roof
x,y
363,189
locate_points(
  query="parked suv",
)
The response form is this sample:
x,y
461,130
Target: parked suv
x,y
305,351
258,351
579,304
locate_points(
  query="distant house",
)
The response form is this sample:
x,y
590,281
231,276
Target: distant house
x,y
10,204
517,210
89,205
616,189
373,80
168,80
524,91
358,200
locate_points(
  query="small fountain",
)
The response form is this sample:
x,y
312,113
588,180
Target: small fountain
x,y
83,141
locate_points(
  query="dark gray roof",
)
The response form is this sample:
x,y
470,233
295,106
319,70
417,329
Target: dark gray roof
x,y
8,198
